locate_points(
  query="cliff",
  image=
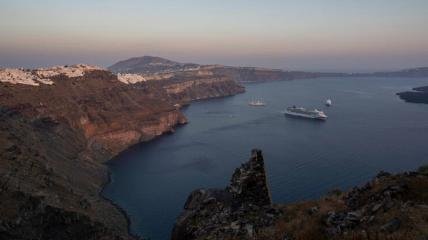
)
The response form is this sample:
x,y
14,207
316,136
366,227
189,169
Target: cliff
x,y
183,88
388,207
159,68
253,74
238,211
58,127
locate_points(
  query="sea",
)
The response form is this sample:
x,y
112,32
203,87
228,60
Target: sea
x,y
369,129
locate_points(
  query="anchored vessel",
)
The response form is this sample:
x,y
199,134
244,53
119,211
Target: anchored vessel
x,y
304,113
328,102
257,103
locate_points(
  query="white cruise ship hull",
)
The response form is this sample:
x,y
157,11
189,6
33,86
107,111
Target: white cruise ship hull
x,y
302,115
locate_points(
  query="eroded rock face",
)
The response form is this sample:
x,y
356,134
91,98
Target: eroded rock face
x,y
238,211
55,138
196,88
249,184
391,206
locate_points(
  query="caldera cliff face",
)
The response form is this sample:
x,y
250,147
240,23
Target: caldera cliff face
x,y
58,128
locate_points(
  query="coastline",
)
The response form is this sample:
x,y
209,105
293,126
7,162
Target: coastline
x,y
115,159
139,213
109,176
78,125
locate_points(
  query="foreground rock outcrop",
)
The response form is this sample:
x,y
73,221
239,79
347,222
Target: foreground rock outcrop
x,y
58,126
238,211
391,206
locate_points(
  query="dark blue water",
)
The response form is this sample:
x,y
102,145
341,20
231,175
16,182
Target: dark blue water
x,y
369,129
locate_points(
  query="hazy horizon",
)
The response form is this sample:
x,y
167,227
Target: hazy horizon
x,y
335,35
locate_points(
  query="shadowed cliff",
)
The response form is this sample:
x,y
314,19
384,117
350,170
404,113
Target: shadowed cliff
x,y
237,211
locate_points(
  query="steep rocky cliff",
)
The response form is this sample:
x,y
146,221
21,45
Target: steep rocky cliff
x,y
388,207
237,212
195,88
58,128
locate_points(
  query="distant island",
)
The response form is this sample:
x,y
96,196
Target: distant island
x,y
418,95
150,66
410,72
156,68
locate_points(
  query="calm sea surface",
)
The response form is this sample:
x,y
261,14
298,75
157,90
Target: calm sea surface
x,y
369,129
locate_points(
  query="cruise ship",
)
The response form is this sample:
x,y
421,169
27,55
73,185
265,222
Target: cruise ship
x,y
304,113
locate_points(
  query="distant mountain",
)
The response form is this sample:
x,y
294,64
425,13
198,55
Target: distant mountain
x,y
150,64
155,66
160,68
411,72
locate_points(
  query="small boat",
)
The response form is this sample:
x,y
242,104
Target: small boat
x,y
328,102
304,113
257,103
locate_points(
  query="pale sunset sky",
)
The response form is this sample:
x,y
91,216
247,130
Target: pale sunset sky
x,y
312,35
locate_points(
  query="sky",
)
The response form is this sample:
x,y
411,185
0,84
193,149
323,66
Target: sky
x,y
313,35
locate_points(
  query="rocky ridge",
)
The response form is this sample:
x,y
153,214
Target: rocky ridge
x,y
238,211
150,65
391,206
156,68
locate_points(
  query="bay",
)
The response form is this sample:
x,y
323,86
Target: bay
x,y
369,129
